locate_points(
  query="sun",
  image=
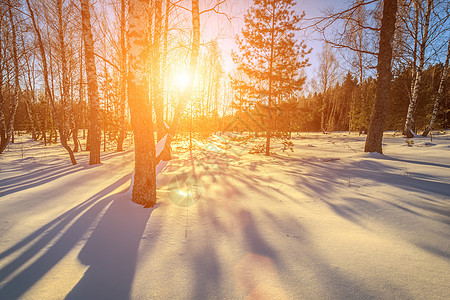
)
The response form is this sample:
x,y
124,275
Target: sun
x,y
182,80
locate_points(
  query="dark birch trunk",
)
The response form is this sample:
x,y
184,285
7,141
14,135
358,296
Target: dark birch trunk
x,y
15,101
374,141
2,116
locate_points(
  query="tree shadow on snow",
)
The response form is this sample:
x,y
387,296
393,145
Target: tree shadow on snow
x,y
341,186
38,177
110,251
39,174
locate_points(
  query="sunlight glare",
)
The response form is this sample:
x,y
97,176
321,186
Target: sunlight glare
x,y
182,80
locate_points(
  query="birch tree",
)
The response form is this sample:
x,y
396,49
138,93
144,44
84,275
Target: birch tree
x,y
67,116
91,76
187,93
15,101
374,139
123,75
48,92
28,73
3,68
327,75
157,97
410,122
144,182
439,93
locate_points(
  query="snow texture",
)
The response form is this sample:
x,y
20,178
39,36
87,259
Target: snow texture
x,y
327,221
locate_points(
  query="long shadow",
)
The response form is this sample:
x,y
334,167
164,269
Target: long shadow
x,y
37,178
111,252
256,243
47,174
337,284
302,254
417,162
208,273
46,235
109,155
63,236
323,179
444,253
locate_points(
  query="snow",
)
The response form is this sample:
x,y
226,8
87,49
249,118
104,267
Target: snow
x,y
326,221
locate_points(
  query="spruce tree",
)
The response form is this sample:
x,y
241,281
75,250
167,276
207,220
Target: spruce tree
x,y
270,56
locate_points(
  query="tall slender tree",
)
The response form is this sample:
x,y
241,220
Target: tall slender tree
x,y
439,93
157,96
327,75
144,182
187,93
91,76
2,67
15,101
67,116
410,121
123,75
374,139
48,91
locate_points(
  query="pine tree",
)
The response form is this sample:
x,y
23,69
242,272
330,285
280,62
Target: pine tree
x,y
270,55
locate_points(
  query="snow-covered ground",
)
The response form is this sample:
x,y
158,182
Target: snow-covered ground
x,y
327,221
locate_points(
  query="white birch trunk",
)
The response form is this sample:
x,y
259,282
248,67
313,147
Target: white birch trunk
x,y
144,178
416,42
439,94
91,76
410,122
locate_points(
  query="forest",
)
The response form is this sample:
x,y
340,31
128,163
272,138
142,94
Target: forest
x,y
341,91
338,95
